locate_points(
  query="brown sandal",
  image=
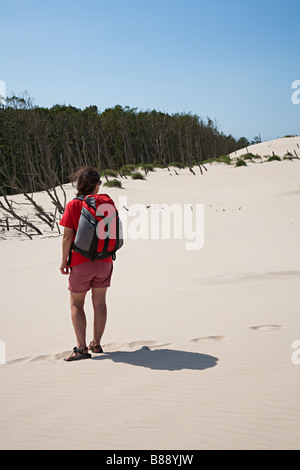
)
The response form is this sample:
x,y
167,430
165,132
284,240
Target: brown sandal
x,y
95,348
78,354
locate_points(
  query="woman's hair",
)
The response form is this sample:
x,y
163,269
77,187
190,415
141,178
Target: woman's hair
x,y
86,178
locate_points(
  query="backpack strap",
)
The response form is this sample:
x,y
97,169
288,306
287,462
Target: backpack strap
x,y
80,198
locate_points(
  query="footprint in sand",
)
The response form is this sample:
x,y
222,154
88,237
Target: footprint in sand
x,y
267,327
112,347
133,345
206,339
46,358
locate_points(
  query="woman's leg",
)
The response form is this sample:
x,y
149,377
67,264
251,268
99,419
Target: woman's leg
x,y
100,313
78,318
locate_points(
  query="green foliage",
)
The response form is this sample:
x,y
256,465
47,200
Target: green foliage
x,y
127,169
222,159
41,147
113,184
109,172
39,209
176,164
243,142
256,139
158,165
248,156
148,166
137,176
240,162
274,158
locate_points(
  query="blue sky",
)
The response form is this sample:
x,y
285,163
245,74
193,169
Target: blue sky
x,y
233,61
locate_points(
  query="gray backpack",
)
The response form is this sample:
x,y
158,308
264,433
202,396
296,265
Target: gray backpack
x,y
99,234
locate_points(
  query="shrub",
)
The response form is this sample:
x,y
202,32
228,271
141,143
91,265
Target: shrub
x,y
158,165
177,164
113,184
127,169
109,172
148,166
137,176
274,157
222,159
240,162
248,156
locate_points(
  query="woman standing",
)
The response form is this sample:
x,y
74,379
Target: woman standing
x,y
83,273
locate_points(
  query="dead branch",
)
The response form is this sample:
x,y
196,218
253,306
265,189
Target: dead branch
x,y
24,233
105,175
40,212
54,217
11,211
167,166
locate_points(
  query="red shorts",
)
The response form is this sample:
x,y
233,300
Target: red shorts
x,y
90,274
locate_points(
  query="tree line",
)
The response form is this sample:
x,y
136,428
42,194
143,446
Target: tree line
x,y
40,147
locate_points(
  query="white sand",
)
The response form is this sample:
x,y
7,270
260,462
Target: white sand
x,y
281,147
198,343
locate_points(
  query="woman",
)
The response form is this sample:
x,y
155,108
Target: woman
x,y
83,273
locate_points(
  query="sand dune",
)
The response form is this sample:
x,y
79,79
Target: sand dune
x,y
198,345
281,147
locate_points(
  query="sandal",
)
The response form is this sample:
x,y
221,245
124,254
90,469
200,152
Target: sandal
x,y
95,349
78,354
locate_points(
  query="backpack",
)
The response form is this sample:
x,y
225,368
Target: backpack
x,y
99,234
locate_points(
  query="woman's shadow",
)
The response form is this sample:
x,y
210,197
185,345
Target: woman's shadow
x,y
161,359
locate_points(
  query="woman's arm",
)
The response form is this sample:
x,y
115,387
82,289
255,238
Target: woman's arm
x,y
66,247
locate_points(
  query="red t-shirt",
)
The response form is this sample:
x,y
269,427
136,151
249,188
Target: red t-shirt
x,y
70,219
